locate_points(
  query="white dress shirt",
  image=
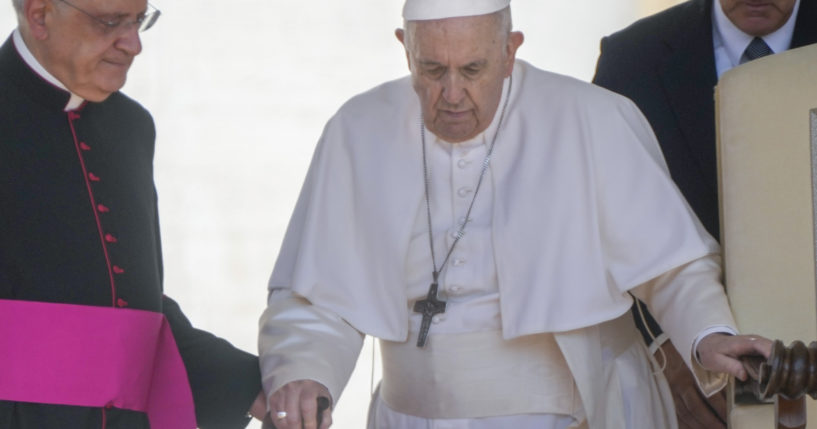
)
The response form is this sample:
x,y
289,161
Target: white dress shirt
x,y
730,42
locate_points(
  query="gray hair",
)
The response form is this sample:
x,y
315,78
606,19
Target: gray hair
x,y
18,5
502,17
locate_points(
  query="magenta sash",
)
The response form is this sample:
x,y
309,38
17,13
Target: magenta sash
x,y
94,357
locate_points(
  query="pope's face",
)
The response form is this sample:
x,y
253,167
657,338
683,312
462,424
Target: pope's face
x,y
458,66
758,17
90,59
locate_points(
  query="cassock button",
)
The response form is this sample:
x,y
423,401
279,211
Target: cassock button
x,y
102,208
93,177
118,270
459,262
462,163
84,146
464,192
110,238
456,290
437,319
121,303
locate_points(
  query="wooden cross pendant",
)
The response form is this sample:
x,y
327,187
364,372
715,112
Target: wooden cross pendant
x,y
428,307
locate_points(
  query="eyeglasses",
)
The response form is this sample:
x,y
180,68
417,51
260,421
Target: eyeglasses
x,y
143,21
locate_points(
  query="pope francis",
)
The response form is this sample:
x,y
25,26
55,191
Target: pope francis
x,y
489,223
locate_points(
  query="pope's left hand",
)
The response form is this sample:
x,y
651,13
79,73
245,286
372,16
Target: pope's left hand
x,y
721,352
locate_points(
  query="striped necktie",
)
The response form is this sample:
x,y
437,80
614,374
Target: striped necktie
x,y
758,48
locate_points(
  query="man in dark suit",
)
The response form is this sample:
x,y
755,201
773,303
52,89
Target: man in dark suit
x,y
668,64
80,254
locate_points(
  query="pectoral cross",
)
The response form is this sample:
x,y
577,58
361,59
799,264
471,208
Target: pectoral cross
x,y
428,307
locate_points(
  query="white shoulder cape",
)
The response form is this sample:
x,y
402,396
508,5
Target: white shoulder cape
x,y
584,209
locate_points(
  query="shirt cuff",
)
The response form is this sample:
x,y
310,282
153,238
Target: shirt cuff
x,y
723,329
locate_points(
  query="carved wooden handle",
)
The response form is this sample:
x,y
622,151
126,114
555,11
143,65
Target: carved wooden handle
x,y
789,372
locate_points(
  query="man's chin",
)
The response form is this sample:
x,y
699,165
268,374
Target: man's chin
x,y
760,21
758,26
101,92
111,83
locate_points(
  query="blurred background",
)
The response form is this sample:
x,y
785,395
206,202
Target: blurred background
x,y
240,92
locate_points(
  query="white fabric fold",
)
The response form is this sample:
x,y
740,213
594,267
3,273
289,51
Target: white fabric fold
x,y
687,302
587,194
300,341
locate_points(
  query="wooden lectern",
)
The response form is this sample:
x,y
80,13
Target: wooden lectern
x,y
767,156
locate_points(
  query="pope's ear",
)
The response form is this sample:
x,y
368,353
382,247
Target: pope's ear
x,y
401,36
515,39
34,15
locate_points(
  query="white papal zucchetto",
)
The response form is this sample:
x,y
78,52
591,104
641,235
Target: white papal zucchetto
x,y
420,10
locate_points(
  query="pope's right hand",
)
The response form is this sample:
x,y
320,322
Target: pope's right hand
x,y
295,406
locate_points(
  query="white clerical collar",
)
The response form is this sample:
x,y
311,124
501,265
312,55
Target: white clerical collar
x,y
477,140
735,41
74,102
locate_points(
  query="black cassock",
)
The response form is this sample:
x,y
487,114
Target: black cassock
x,y
79,225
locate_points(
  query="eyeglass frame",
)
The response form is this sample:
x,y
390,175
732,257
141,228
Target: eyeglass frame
x,y
145,22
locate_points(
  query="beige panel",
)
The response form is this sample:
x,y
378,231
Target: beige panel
x,y
649,7
767,214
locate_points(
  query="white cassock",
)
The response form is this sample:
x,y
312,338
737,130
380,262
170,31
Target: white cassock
x,y
577,209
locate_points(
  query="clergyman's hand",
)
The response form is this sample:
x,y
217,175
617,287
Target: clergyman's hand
x,y
295,406
259,406
721,352
694,410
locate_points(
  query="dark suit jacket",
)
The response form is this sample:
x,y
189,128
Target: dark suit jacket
x,y
79,225
665,63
